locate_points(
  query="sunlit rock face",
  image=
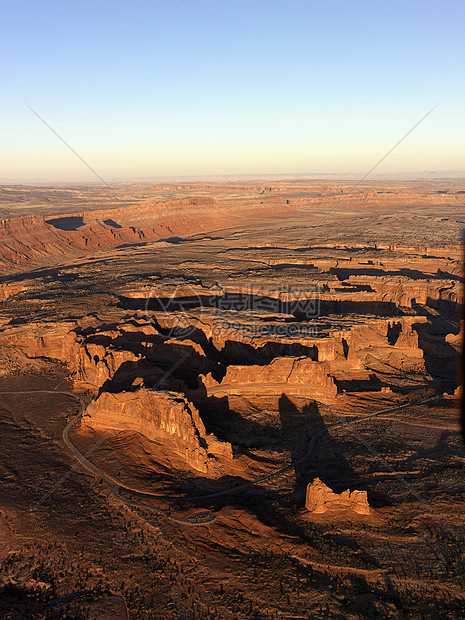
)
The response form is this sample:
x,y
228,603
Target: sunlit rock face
x,y
164,417
320,499
31,239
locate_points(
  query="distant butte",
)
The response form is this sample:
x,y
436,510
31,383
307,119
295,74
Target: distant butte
x,y
320,499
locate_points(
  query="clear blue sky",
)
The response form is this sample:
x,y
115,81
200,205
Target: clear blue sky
x,y
199,87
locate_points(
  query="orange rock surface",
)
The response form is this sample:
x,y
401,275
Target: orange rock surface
x,y
320,499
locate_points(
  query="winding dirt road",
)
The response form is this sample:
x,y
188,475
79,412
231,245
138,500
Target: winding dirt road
x,y
206,516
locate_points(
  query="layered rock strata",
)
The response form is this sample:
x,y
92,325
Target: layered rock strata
x,y
320,499
163,417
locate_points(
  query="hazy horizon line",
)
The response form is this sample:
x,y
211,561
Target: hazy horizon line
x,y
437,175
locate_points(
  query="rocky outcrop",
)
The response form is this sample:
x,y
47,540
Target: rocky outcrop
x,y
340,362
299,372
7,289
90,364
25,346
320,499
393,342
163,417
97,364
119,379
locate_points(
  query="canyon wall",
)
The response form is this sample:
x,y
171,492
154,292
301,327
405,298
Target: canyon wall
x,y
311,377
163,417
35,239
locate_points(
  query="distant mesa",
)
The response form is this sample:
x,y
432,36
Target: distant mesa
x,y
320,499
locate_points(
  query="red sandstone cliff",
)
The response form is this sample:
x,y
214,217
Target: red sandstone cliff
x,y
163,417
299,372
30,240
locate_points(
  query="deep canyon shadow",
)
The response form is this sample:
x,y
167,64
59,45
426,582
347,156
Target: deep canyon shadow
x,y
325,461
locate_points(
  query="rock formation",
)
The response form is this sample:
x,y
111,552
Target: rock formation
x,y
300,372
163,417
320,498
30,239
